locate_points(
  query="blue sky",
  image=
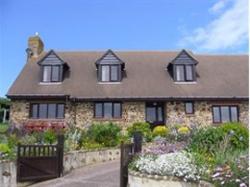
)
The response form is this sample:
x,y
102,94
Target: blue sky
x,y
206,26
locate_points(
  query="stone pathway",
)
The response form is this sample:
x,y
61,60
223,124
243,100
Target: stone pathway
x,y
99,175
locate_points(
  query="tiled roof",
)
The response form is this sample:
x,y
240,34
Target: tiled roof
x,y
220,76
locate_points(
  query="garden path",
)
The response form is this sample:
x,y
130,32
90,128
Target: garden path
x,y
98,175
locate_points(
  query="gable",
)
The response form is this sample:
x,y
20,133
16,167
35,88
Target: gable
x,y
109,58
51,58
184,58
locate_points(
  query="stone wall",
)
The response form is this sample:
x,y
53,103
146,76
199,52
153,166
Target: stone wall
x,y
136,179
175,112
81,114
8,174
19,112
76,159
244,112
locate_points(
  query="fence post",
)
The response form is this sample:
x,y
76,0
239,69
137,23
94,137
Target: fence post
x,y
137,142
121,165
60,146
18,162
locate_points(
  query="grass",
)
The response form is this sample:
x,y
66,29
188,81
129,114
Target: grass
x,y
3,127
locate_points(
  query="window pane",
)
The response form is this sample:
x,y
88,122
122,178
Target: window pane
x,y
234,113
180,73
151,114
34,111
225,117
189,73
160,117
216,114
47,73
189,108
55,73
107,110
117,110
51,110
114,73
60,111
105,73
43,111
98,110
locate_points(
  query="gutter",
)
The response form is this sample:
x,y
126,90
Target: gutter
x,y
135,98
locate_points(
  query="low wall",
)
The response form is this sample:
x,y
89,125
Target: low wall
x,y
8,174
77,159
136,179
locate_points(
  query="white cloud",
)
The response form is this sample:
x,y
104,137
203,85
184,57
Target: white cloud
x,y
228,30
218,6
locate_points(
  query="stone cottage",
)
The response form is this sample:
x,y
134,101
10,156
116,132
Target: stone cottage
x,y
160,87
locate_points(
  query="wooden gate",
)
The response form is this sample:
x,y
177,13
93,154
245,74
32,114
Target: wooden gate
x,y
127,153
40,162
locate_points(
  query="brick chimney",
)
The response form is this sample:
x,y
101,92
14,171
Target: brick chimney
x,y
35,46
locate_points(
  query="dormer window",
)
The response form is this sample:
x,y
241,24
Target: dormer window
x,y
110,73
51,73
52,68
183,67
109,68
184,73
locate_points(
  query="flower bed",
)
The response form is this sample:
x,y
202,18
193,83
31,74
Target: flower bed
x,y
137,179
177,164
215,154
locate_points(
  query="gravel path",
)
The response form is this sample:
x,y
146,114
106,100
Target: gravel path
x,y
99,175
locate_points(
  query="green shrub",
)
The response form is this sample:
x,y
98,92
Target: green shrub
x,y
142,127
27,139
73,139
125,138
49,136
106,134
12,141
4,148
206,139
160,131
91,145
239,135
3,128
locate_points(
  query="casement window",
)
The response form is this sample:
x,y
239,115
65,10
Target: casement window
x,y
110,73
155,113
47,110
108,110
51,73
189,107
184,73
222,114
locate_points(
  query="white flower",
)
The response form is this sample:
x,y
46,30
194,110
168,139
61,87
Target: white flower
x,y
216,175
173,164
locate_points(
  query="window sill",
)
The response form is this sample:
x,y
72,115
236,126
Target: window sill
x,y
108,119
50,83
46,119
193,82
190,115
109,82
